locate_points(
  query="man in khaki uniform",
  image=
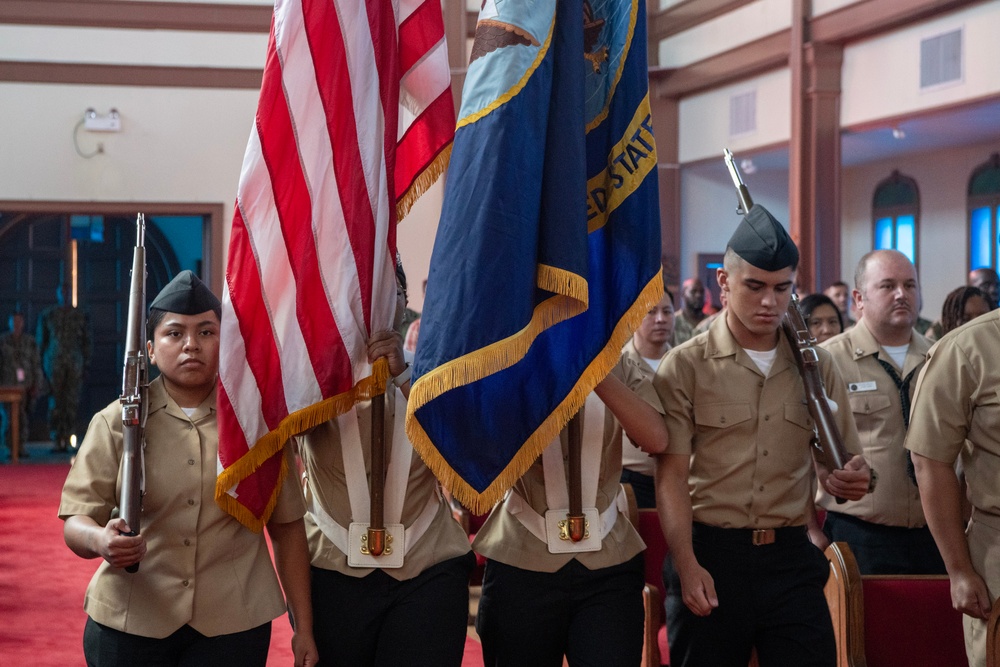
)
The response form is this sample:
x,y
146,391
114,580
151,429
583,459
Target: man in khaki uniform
x,y
205,592
734,488
645,349
956,412
879,359
546,597
407,607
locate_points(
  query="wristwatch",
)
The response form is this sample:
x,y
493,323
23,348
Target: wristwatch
x,y
873,480
403,377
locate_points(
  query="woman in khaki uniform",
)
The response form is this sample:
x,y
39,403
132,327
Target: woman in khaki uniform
x,y
205,592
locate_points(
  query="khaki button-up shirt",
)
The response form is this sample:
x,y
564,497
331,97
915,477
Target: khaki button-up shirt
x,y
202,567
503,538
958,400
878,414
748,436
322,455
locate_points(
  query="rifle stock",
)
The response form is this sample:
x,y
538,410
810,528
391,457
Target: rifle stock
x,y
135,385
826,435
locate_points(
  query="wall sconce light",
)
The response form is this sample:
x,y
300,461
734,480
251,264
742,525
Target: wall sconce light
x,y
898,133
95,122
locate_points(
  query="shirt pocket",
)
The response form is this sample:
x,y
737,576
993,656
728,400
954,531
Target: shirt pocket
x,y
721,415
798,414
868,404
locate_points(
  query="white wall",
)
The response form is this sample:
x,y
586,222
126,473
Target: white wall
x,y
882,75
740,26
704,118
176,145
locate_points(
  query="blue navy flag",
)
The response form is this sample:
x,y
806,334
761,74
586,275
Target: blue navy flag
x,y
547,255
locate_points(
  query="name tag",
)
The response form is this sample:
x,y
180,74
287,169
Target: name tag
x,y
358,555
861,386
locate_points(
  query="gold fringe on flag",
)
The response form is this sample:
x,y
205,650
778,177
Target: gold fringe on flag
x,y
274,442
498,356
423,182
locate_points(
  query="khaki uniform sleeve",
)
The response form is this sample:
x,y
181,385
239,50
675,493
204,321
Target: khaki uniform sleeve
x,y
639,383
677,401
942,405
291,505
91,487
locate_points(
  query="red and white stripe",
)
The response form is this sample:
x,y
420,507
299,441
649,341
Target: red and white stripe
x,y
427,111
310,273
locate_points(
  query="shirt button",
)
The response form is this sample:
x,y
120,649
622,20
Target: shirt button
x,y
190,462
185,583
760,384
761,488
722,420
765,452
187,542
190,501
190,426
767,418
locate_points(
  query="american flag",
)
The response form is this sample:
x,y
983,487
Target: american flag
x,y
354,122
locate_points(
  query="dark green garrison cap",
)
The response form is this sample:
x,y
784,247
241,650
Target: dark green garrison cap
x,y
762,241
186,295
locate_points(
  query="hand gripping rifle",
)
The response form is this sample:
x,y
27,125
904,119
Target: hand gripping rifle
x,y
135,386
826,435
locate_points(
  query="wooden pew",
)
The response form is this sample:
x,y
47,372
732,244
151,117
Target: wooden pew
x,y
892,620
654,649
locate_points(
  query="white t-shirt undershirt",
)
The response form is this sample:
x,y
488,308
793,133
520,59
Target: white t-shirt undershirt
x,y
898,353
764,360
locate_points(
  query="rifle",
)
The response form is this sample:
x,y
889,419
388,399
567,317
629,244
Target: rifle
x,y
826,435
135,386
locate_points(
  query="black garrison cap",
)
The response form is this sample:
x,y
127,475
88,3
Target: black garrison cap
x,y
762,241
186,295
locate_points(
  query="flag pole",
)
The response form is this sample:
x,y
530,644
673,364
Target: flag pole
x,y
376,526
574,519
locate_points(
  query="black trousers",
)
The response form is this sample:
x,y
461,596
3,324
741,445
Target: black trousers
x,y
107,647
885,549
593,617
770,597
377,620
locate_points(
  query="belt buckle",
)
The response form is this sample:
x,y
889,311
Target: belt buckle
x,y
762,536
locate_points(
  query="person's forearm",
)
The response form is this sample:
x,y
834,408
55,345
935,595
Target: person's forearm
x,y
81,533
291,559
940,496
643,424
673,502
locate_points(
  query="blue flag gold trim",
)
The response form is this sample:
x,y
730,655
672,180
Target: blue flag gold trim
x,y
548,251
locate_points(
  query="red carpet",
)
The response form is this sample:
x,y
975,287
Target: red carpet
x,y
42,582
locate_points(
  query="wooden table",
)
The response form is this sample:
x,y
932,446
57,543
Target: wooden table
x,y
14,395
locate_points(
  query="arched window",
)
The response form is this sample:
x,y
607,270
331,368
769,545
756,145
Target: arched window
x,y
984,214
895,213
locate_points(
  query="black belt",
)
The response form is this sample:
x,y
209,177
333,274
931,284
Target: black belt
x,y
748,536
